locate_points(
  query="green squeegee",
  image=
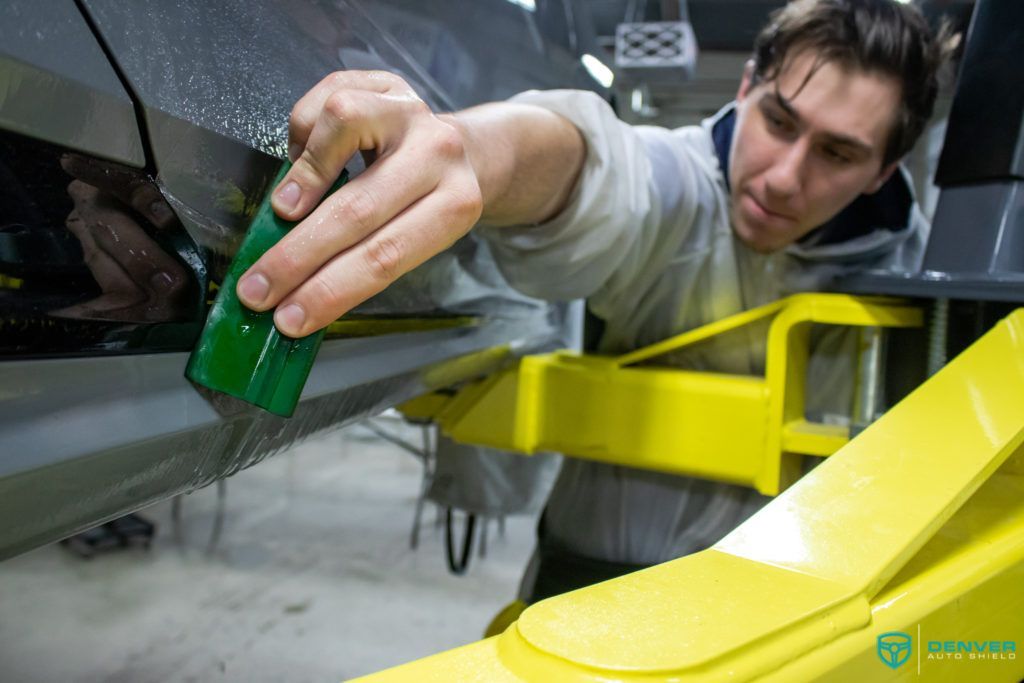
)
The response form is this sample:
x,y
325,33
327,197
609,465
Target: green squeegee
x,y
240,352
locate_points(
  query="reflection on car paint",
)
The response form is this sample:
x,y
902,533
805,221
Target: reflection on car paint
x,y
98,257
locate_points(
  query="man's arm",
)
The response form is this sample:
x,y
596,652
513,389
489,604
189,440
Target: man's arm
x,y
428,180
526,159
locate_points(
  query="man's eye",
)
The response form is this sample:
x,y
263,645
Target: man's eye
x,y
776,122
837,157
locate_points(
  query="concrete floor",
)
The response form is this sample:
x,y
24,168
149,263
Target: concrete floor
x,y
312,580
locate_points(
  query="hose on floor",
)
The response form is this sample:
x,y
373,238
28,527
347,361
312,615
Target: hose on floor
x,y
458,565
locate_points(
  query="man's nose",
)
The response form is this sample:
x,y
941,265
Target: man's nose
x,y
785,177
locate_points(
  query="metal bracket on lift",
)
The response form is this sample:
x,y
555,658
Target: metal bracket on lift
x,y
737,428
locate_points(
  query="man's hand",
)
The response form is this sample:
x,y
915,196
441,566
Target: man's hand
x,y
429,178
418,196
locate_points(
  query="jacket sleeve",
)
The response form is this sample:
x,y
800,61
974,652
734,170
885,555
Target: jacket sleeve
x,y
627,212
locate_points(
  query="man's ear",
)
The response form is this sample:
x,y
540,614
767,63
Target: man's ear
x,y
746,81
883,178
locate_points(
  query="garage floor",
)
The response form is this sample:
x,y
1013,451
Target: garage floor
x,y
312,580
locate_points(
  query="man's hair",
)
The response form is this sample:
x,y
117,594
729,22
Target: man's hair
x,y
874,36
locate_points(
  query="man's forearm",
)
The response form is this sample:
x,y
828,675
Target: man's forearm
x,y
527,160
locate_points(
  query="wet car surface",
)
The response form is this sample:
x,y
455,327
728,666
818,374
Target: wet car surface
x,y
135,143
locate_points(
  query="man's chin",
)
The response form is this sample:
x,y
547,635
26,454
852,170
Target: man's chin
x,y
757,239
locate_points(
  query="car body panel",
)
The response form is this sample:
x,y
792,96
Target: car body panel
x,y
69,96
96,417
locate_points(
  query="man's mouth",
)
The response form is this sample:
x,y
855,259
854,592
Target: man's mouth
x,y
763,212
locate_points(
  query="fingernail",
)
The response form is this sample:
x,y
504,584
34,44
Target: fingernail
x,y
161,281
290,318
254,288
294,152
288,196
158,209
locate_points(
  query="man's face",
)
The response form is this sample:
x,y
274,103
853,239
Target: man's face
x,y
800,155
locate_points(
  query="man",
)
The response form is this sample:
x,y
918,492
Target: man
x,y
793,184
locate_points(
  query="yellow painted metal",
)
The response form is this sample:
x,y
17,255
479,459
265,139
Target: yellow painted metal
x,y
786,368
10,282
740,429
587,406
372,326
916,526
966,583
812,438
705,332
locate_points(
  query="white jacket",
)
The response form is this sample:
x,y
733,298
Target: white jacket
x,y
646,239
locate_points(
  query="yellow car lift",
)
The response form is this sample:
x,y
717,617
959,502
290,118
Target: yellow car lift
x,y
735,428
913,531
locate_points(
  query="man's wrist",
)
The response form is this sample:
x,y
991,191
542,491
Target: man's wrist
x,y
485,154
527,160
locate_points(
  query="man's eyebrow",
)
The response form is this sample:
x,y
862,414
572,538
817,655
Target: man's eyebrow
x,y
835,138
783,104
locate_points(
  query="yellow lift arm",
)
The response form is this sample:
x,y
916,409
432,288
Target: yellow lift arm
x,y
735,428
915,530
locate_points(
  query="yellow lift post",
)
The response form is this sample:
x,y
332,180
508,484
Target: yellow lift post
x,y
901,557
